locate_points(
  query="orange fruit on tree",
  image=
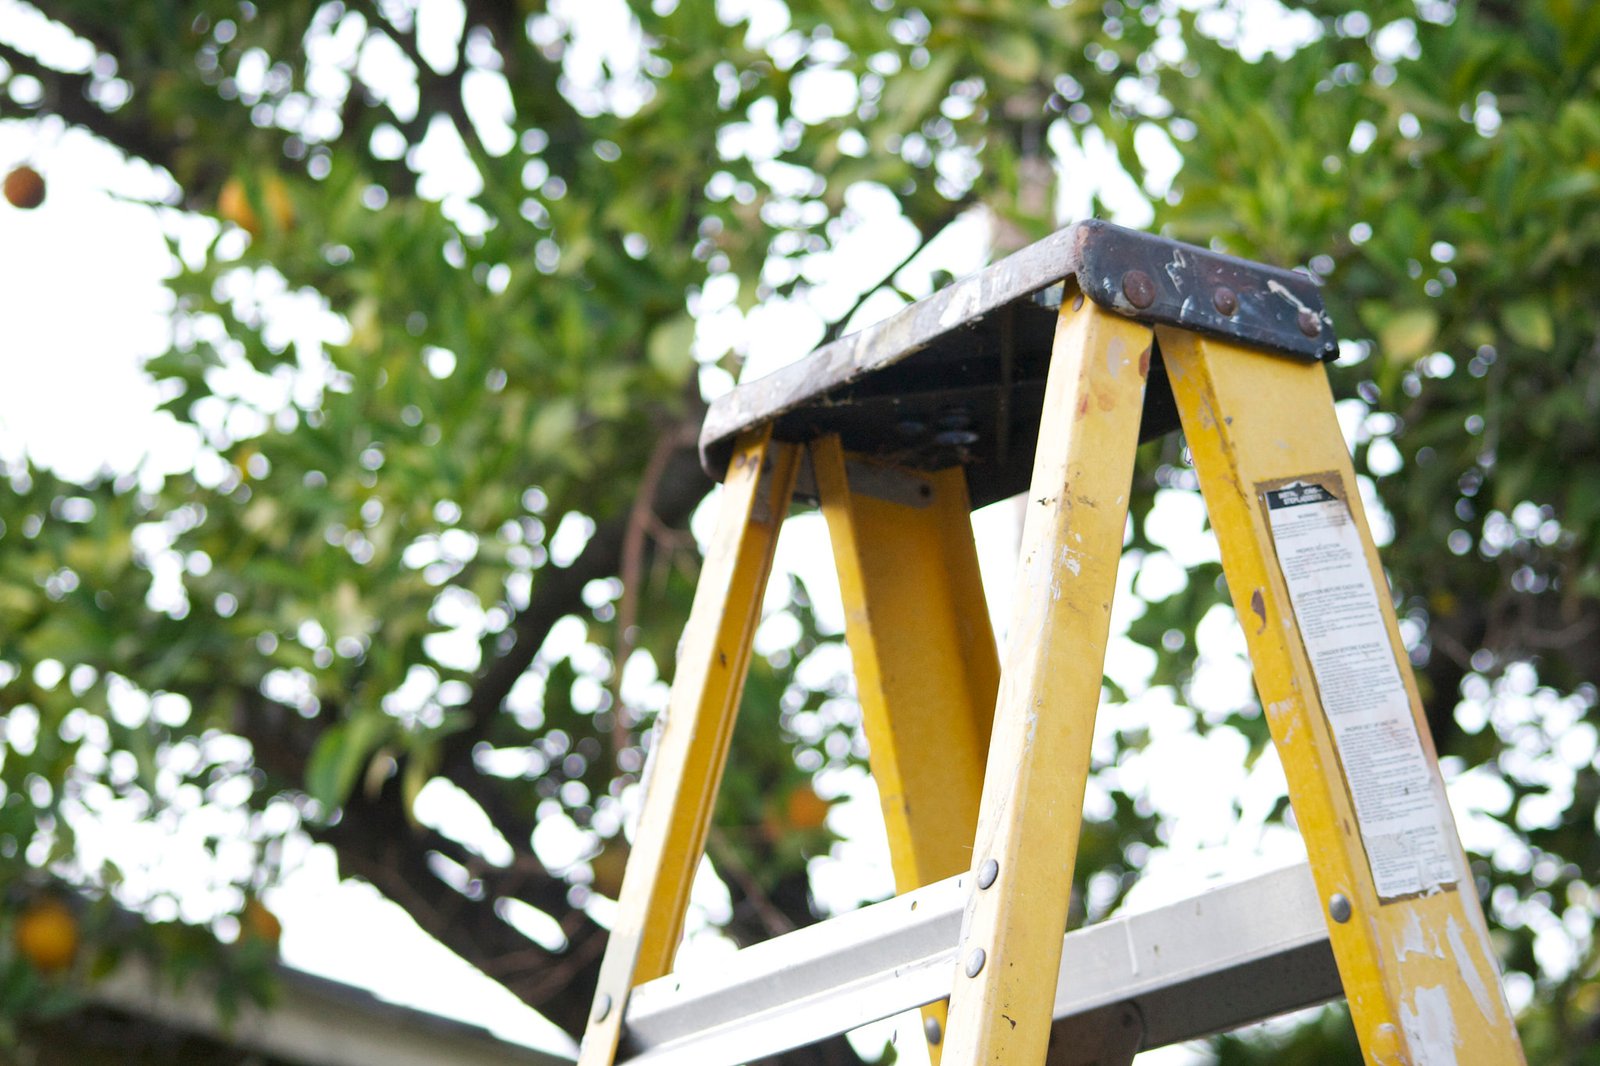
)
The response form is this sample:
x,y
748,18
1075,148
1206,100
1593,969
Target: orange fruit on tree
x,y
279,206
24,187
46,934
799,809
609,866
233,204
258,924
804,808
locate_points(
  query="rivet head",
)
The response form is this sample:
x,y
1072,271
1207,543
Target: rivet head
x,y
1226,301
1310,322
1138,288
930,1026
987,873
1386,1044
955,417
1339,907
602,1007
975,962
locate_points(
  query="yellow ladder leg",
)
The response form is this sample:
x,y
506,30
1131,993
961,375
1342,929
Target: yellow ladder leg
x,y
1023,857
691,750
924,654
1335,682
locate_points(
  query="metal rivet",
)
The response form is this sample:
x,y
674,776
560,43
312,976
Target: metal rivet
x,y
1225,300
1077,302
602,1007
930,1026
975,962
987,873
1339,907
1138,288
1310,322
956,437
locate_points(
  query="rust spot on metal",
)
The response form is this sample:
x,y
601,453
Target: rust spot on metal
x,y
1105,399
1083,406
1139,289
1144,362
1258,605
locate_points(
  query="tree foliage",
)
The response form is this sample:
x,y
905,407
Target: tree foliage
x,y
444,355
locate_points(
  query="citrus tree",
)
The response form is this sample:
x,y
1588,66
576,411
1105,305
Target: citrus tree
x,y
451,281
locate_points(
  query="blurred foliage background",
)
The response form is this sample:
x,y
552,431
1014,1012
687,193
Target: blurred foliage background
x,y
436,539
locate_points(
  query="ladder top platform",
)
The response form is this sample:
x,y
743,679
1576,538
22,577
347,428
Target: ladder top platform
x,y
958,378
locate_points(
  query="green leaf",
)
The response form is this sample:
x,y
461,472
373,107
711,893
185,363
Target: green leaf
x,y
1014,56
908,98
340,753
671,347
1530,324
553,427
1407,334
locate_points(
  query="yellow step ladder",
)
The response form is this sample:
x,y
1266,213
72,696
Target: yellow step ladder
x,y
1043,373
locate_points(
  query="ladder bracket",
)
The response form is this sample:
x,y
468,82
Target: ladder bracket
x,y
1162,282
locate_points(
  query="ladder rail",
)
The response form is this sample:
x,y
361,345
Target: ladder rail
x,y
691,748
1336,687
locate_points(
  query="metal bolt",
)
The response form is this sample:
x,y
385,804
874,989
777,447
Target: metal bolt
x,y
987,873
1225,300
975,962
602,1007
1339,908
955,418
910,427
930,1026
1310,322
956,438
1138,288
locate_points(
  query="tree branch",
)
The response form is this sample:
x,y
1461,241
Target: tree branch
x,y
67,94
556,590
935,227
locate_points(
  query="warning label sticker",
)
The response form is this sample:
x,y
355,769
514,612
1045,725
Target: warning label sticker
x,y
1404,826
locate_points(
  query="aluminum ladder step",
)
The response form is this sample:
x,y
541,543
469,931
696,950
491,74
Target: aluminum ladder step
x,y
1227,957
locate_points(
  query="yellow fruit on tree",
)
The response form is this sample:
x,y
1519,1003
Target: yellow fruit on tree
x,y
46,934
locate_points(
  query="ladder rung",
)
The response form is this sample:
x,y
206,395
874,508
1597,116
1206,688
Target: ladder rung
x,y
1227,957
